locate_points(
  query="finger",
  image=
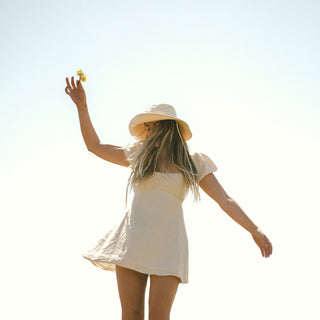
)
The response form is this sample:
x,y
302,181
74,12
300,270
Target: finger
x,y
80,84
269,249
261,244
261,249
68,83
267,245
267,252
264,251
66,90
72,83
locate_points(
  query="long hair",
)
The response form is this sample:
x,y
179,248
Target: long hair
x,y
165,146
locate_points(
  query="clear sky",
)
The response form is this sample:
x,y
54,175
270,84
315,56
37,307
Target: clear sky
x,y
243,74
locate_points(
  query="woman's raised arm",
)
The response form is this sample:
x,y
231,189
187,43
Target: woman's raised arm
x,y
210,185
107,152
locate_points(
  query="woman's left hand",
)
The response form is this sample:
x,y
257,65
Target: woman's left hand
x,y
263,242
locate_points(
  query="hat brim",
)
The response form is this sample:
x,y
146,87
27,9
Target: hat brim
x,y
138,130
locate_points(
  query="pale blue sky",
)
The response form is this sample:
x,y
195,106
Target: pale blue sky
x,y
244,74
141,52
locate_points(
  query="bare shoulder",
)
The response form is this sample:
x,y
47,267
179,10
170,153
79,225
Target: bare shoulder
x,y
111,153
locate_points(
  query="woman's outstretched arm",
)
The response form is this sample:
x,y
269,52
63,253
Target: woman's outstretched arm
x,y
107,152
212,187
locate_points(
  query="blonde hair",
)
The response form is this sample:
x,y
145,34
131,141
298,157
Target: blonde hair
x,y
165,146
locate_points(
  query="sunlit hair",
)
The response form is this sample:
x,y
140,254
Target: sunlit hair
x,y
165,146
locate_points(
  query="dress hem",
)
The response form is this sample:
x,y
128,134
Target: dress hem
x,y
142,269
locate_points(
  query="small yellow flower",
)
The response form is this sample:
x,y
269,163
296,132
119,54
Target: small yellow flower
x,y
80,73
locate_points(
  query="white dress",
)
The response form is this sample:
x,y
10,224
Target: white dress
x,y
151,237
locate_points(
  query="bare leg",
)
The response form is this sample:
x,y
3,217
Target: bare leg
x,y
131,287
161,296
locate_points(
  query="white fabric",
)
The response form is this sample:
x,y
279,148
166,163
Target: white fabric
x,y
151,237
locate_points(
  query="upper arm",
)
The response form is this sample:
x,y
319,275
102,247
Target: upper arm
x,y
111,153
211,186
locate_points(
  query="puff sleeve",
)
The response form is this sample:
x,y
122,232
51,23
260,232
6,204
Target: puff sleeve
x,y
130,150
203,164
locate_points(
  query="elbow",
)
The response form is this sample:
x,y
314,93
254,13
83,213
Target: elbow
x,y
91,148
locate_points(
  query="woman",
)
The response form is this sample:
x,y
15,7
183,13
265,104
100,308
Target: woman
x,y
151,239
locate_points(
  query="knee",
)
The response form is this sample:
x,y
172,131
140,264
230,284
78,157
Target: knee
x,y
133,314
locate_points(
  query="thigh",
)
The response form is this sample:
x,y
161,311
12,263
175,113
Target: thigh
x,y
131,287
163,290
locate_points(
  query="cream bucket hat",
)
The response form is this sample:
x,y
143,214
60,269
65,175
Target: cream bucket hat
x,y
155,113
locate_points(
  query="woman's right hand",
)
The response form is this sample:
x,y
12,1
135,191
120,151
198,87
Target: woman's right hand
x,y
76,92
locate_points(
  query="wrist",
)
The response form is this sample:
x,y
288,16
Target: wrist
x,y
254,230
82,105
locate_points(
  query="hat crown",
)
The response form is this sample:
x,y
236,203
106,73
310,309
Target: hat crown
x,y
163,109
157,112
